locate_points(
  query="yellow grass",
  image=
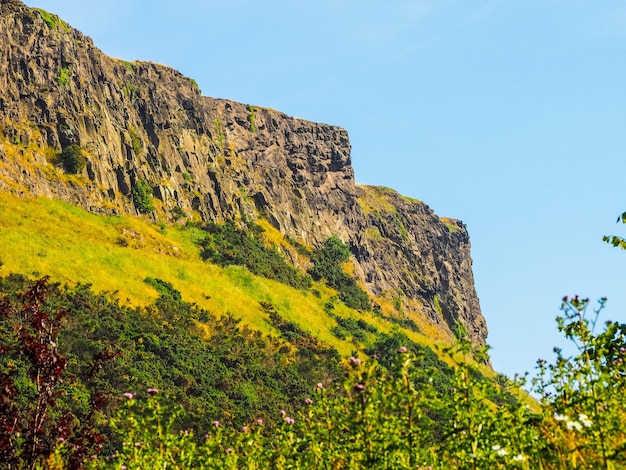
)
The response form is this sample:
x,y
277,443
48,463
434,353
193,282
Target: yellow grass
x,y
40,236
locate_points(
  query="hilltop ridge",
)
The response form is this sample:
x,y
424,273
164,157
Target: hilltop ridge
x,y
142,129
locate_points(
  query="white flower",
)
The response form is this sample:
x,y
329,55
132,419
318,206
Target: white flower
x,y
519,458
574,426
499,450
584,419
559,417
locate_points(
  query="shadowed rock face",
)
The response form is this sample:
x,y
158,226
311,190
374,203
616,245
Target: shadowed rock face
x,y
213,158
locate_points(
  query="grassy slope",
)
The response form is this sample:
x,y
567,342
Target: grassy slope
x,y
41,236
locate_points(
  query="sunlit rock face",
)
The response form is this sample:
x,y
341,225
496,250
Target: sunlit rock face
x,y
214,160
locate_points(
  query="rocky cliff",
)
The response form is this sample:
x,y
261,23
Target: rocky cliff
x,y
136,123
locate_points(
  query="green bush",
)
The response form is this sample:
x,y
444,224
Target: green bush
x,y
225,245
64,76
142,196
236,376
135,141
390,415
327,265
73,160
251,117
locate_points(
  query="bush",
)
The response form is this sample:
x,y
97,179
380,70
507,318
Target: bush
x,y
64,76
36,415
228,245
327,265
142,196
73,160
390,416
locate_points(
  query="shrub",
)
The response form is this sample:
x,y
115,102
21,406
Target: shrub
x,y
34,420
142,196
73,160
251,117
327,265
135,141
64,76
227,245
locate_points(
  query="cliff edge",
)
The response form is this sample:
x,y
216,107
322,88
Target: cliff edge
x,y
142,125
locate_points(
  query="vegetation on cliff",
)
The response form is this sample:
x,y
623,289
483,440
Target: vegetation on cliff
x,y
383,412
137,138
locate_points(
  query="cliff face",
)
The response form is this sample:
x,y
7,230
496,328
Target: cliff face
x,y
215,159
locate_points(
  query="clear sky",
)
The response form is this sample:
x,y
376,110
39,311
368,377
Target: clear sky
x,y
509,115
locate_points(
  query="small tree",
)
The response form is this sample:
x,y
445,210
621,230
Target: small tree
x,y
33,378
73,159
142,196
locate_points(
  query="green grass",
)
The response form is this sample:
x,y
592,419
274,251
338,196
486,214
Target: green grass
x,y
53,21
64,76
43,236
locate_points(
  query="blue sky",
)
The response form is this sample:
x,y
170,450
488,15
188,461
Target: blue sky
x,y
508,115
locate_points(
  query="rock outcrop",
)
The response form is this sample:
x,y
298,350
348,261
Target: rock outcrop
x,y
213,159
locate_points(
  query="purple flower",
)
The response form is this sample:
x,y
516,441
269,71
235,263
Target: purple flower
x,y
152,391
283,412
403,349
359,387
216,423
259,422
320,385
244,429
289,420
129,395
355,361
206,436
308,401
229,451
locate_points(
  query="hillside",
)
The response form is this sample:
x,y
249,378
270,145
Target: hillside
x,y
137,138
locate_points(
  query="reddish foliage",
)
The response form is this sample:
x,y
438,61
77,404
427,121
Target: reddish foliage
x,y
30,431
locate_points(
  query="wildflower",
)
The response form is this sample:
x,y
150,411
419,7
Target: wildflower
x,y
129,395
320,385
152,391
206,436
216,423
574,426
584,419
499,450
123,467
259,422
283,413
359,387
519,458
355,361
403,349
229,450
559,417
244,429
308,401
289,420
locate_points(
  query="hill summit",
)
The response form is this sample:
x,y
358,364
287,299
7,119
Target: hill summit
x,y
117,137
